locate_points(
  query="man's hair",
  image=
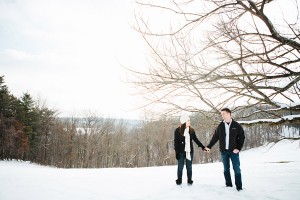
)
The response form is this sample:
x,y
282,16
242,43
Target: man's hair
x,y
226,110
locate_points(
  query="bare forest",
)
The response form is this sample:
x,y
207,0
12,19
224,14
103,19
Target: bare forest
x,y
32,132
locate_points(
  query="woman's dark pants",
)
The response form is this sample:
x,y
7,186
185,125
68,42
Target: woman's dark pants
x,y
188,166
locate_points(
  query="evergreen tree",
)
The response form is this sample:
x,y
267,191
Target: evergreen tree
x,y
30,117
13,140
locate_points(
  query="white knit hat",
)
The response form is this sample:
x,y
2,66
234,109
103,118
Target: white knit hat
x,y
184,118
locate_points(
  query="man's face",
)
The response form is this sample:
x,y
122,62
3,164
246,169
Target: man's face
x,y
226,116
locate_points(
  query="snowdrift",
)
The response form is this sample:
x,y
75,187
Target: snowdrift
x,y
268,172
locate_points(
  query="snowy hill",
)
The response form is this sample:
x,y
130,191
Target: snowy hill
x,y
269,172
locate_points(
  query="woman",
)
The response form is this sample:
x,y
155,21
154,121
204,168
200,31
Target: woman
x,y
184,150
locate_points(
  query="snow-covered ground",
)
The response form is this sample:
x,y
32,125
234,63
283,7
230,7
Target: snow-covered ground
x,y
269,172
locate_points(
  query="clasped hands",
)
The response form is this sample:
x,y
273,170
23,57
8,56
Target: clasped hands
x,y
207,150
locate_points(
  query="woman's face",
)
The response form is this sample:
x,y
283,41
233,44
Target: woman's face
x,y
188,123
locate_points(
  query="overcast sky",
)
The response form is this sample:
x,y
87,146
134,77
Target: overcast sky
x,y
69,53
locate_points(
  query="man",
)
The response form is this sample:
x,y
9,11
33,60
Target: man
x,y
231,137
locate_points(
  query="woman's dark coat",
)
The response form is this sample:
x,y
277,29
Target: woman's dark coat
x,y
179,141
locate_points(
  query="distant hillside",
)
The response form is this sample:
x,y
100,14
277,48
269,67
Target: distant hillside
x,y
130,123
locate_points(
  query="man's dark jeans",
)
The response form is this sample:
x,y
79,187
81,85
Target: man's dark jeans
x,y
188,166
235,160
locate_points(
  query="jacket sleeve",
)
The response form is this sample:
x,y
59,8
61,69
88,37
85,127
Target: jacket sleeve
x,y
194,137
214,139
241,137
176,141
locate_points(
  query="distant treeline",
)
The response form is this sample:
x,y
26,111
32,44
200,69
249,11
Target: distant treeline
x,y
32,132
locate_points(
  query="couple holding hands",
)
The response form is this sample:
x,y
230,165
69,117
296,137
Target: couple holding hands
x,y
231,137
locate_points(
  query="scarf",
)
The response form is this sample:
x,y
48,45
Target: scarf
x,y
187,147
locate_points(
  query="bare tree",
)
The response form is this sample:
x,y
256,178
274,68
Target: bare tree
x,y
223,53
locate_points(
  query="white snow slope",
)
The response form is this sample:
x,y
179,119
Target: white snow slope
x,y
269,172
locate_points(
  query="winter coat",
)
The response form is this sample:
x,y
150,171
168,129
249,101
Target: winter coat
x,y
236,136
179,141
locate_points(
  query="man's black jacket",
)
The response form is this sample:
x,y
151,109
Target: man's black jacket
x,y
236,136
